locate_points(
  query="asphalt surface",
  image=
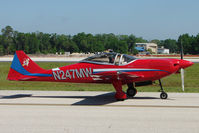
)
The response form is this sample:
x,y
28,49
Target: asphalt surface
x,y
97,112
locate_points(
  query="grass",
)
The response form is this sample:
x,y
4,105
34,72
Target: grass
x,y
171,83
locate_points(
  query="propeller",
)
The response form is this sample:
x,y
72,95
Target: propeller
x,y
182,70
182,78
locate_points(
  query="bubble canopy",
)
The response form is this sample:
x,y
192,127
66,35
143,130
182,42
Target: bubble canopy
x,y
111,58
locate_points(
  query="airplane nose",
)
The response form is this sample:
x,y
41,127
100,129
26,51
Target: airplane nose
x,y
185,63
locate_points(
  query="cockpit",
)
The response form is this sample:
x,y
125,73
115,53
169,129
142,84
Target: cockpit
x,y
110,58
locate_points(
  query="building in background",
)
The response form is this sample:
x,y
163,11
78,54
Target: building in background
x,y
163,50
146,47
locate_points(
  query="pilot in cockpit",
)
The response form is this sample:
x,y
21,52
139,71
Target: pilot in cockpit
x,y
111,59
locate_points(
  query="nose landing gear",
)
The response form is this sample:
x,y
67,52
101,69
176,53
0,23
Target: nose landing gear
x,y
163,95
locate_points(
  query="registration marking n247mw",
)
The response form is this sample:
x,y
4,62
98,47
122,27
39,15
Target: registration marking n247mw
x,y
72,73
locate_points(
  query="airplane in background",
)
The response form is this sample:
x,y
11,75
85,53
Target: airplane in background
x,y
106,67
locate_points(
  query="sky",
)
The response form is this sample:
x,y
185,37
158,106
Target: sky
x,y
150,19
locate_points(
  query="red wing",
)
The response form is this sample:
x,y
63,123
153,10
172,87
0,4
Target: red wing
x,y
130,75
114,74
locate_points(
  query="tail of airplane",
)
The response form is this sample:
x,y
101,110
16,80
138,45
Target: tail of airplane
x,y
23,68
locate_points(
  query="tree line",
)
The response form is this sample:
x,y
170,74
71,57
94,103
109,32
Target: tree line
x,y
39,42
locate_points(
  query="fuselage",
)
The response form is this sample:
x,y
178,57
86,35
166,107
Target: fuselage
x,y
146,69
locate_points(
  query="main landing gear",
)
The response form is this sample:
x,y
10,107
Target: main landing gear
x,y
120,95
131,91
163,95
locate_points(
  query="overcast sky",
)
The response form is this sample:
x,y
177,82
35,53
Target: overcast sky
x,y
150,19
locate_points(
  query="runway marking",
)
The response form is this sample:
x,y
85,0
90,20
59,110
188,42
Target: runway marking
x,y
90,105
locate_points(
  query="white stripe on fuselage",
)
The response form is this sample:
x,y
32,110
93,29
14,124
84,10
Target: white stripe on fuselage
x,y
55,69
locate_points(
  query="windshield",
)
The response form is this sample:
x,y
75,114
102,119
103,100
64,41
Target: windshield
x,y
105,58
110,58
125,59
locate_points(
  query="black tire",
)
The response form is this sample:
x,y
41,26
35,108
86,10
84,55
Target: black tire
x,y
131,92
163,95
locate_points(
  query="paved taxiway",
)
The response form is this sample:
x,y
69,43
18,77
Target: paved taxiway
x,y
97,112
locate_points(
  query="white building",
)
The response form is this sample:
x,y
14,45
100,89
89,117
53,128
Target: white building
x,y
163,50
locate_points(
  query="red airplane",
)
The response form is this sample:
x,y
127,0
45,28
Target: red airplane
x,y
117,69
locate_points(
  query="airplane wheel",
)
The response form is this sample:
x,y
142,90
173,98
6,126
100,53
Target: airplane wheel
x,y
163,95
131,92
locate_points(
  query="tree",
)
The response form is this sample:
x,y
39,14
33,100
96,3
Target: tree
x,y
131,43
81,41
72,47
187,42
7,31
123,47
33,43
140,40
44,42
53,42
156,41
170,44
7,41
38,42
195,45
1,46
